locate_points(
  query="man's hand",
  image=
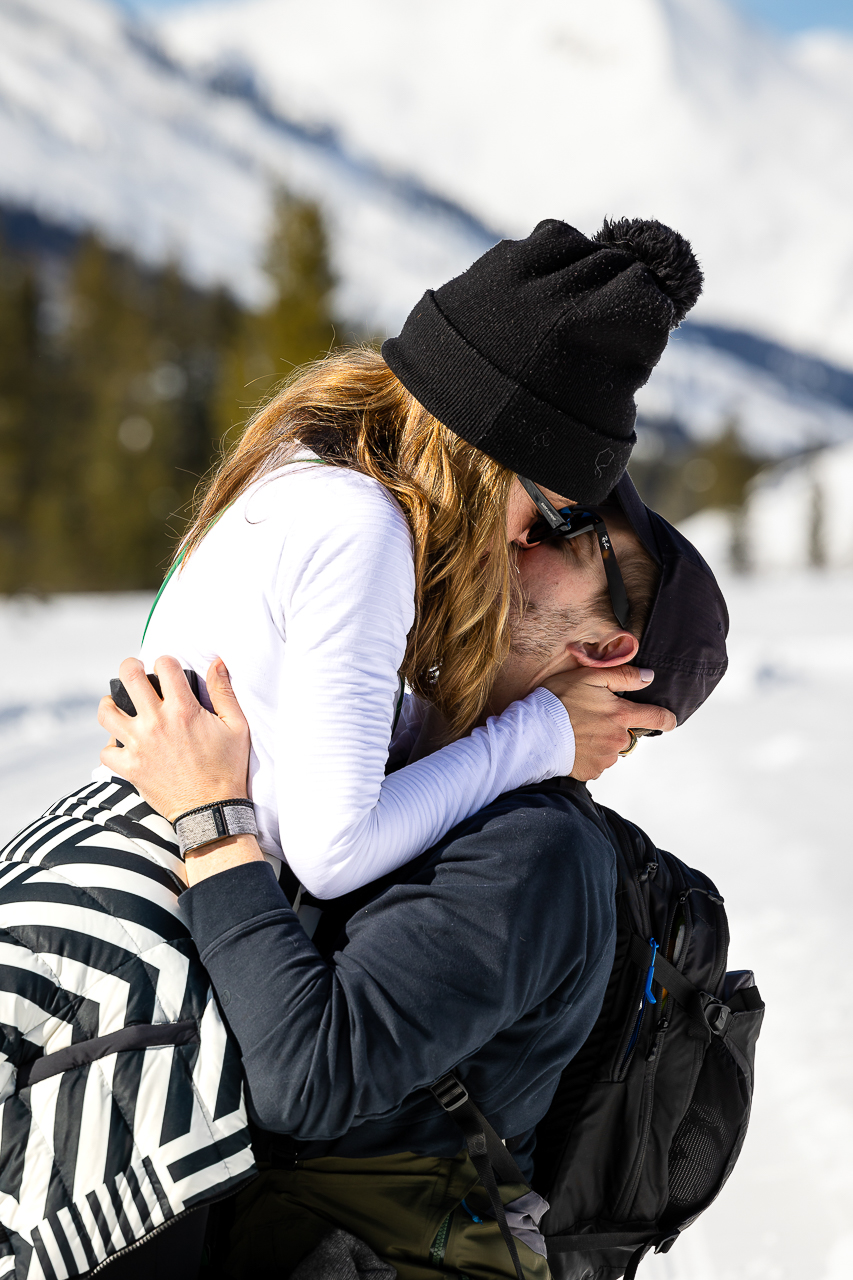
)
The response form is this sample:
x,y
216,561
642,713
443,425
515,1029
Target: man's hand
x,y
175,752
600,719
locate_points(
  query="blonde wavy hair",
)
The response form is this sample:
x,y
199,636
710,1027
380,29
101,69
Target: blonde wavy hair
x,y
352,411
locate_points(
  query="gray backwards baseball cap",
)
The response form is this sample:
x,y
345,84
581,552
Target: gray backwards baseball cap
x,y
684,640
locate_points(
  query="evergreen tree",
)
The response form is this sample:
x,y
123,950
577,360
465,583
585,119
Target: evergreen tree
x,y
19,395
137,364
728,470
110,448
817,530
109,419
682,480
297,326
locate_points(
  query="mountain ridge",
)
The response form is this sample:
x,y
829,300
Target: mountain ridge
x,y
678,109
101,127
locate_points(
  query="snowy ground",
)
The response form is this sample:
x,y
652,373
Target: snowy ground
x,y
58,657
754,791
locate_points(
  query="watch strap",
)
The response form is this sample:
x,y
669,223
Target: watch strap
x,y
215,821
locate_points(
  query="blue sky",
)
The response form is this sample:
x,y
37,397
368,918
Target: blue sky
x,y
798,15
785,15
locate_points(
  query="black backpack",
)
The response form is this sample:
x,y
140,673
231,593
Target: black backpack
x,y
649,1117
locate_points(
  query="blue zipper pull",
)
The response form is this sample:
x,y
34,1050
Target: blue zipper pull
x,y
471,1213
647,994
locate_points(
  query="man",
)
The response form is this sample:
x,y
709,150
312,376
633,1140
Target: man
x,y
489,955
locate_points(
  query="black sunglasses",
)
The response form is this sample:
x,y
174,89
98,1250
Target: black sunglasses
x,y
571,522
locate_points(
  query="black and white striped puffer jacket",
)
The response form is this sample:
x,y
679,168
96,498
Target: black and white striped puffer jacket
x,y
121,1095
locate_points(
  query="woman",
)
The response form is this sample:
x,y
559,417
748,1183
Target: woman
x,y
361,533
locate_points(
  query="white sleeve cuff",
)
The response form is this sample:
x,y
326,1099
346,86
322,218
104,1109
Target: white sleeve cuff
x,y
546,701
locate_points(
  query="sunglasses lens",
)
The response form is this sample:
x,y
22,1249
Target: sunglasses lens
x,y
541,531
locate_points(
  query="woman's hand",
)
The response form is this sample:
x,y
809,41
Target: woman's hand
x,y
601,720
175,753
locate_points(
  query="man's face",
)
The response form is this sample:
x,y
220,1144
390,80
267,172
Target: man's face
x,y
565,620
559,581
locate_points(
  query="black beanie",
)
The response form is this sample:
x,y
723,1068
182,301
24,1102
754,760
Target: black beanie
x,y
535,352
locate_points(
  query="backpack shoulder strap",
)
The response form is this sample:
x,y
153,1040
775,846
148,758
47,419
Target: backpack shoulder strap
x,y
488,1154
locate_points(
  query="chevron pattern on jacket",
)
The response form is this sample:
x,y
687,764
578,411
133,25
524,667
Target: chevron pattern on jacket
x,y
121,1094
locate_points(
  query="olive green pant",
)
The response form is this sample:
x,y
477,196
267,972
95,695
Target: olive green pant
x,y
408,1208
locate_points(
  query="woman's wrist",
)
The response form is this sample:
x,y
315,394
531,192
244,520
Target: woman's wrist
x,y
207,823
556,715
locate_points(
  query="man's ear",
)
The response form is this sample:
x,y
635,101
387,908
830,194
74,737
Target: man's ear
x,y
611,650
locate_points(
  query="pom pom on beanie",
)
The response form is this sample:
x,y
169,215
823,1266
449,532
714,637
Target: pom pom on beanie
x,y
666,253
535,352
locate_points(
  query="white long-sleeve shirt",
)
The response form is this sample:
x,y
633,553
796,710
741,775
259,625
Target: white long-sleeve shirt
x,y
305,588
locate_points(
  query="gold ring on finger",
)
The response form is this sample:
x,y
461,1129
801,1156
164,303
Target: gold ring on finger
x,y
634,740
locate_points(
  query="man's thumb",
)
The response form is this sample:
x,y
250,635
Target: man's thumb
x,y
620,679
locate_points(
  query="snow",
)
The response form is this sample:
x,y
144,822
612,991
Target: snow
x,y
754,790
97,129
59,654
676,109
704,389
711,532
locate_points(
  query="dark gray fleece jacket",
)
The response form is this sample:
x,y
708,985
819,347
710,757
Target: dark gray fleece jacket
x,y
488,955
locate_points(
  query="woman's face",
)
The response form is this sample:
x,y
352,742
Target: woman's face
x,y
521,513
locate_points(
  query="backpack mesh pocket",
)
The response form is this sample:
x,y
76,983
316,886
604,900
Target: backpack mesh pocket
x,y
708,1138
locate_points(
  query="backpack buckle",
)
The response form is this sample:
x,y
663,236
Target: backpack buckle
x,y
449,1093
716,1013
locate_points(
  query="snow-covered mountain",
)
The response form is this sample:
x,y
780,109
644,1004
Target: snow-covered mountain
x,y
99,128
178,153
677,109
705,381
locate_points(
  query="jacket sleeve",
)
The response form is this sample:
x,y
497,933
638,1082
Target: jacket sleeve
x,y
434,968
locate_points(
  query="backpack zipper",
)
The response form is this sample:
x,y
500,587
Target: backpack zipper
x,y
652,1059
648,998
680,916
638,882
